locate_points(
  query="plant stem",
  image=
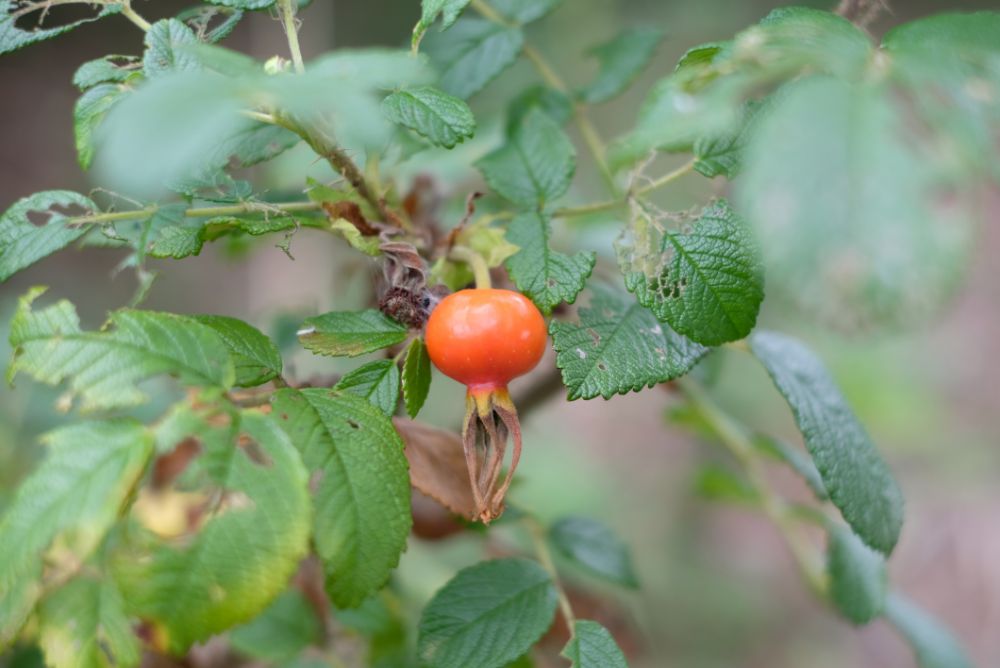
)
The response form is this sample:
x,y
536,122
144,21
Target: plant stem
x,y
586,209
476,263
544,555
286,10
202,212
732,435
134,17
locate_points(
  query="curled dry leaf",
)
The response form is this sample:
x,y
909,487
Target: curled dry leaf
x,y
351,212
437,465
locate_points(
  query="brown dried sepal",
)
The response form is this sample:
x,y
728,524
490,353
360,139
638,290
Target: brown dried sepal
x,y
490,420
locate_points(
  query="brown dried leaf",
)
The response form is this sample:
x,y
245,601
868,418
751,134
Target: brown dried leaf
x,y
351,212
437,465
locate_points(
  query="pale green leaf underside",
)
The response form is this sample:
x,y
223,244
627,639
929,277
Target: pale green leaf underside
x,y
472,53
103,368
859,582
857,479
934,644
595,547
75,495
443,119
487,615
350,333
83,624
244,555
548,277
416,377
448,10
706,283
22,242
536,164
378,382
106,69
162,55
255,357
619,347
362,501
88,113
592,646
621,61
524,11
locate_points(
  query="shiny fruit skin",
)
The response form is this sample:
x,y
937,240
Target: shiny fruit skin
x,y
484,338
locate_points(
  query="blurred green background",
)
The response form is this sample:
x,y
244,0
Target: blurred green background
x,y
719,588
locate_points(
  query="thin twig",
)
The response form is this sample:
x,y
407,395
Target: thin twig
x,y
537,532
197,212
606,205
480,270
286,11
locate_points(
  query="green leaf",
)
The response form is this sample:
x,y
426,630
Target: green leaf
x,y
448,10
859,582
244,554
107,69
364,484
350,333
88,113
472,54
719,483
83,624
443,119
621,60
619,347
200,18
254,356
162,54
548,277
487,615
281,632
722,155
706,282
535,166
807,37
593,647
71,500
837,246
103,368
855,476
22,242
377,381
796,459
556,104
524,11
416,377
13,38
934,645
593,545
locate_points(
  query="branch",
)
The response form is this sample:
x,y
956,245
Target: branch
x,y
197,212
286,11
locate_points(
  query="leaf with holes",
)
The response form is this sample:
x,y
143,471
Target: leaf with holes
x,y
84,624
932,642
72,498
247,549
22,242
707,283
443,119
859,582
593,647
472,54
255,357
487,615
619,347
107,69
13,38
595,547
536,164
857,479
377,381
103,368
350,333
364,484
416,377
621,60
548,277
448,10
